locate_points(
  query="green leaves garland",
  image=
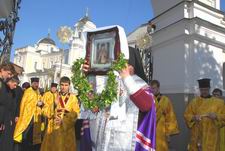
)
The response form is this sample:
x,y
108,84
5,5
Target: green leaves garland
x,y
87,96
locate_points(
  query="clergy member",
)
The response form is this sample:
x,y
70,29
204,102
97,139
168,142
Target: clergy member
x,y
117,128
166,122
141,95
62,114
28,128
202,117
218,93
48,100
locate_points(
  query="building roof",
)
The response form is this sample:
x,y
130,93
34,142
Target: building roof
x,y
85,19
47,40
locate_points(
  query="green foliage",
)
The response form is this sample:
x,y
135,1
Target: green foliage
x,y
92,100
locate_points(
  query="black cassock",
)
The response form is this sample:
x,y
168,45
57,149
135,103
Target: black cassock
x,y
18,92
7,111
2,101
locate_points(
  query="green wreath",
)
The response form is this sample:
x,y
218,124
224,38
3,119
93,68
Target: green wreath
x,y
87,96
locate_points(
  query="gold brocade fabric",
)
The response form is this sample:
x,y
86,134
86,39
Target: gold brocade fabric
x,y
222,138
61,137
166,122
222,132
49,97
206,132
48,109
29,110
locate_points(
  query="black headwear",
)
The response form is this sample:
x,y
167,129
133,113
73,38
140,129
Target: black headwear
x,y
136,62
204,83
54,85
217,90
25,85
34,79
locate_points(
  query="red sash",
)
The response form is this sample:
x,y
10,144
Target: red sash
x,y
63,103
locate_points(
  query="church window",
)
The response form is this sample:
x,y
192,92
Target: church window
x,y
35,65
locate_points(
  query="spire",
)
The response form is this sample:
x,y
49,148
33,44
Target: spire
x,y
86,14
49,31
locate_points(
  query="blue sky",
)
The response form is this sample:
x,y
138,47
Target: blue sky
x,y
38,16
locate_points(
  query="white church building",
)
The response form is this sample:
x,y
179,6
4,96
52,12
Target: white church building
x,y
188,44
48,62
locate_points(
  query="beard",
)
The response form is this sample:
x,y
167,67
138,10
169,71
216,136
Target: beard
x,y
34,87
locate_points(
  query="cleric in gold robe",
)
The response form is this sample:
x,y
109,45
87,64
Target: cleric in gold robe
x,y
49,99
202,116
219,93
222,134
62,114
28,128
166,122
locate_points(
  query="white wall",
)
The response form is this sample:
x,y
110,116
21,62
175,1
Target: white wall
x,y
31,59
187,51
160,6
207,62
78,46
46,48
51,59
170,17
194,47
207,14
188,10
168,67
77,50
212,3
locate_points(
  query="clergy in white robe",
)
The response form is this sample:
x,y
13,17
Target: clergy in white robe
x,y
114,129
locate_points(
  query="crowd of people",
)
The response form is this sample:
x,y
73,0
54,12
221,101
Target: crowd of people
x,y
30,121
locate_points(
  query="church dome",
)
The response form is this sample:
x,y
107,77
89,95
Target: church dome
x,y
85,22
47,40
